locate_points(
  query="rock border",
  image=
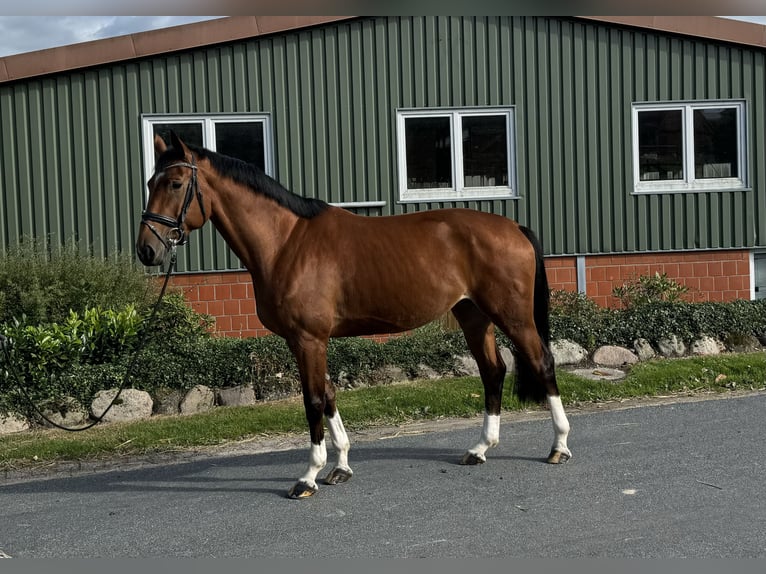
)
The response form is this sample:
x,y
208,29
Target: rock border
x,y
606,363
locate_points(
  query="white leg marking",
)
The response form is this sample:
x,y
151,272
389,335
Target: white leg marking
x,y
560,425
490,436
339,440
317,461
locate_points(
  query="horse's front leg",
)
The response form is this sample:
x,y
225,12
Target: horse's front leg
x,y
319,400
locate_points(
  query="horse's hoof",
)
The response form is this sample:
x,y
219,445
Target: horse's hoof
x,y
473,458
302,490
558,457
339,475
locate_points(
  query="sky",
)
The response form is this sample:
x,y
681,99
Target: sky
x,y
28,33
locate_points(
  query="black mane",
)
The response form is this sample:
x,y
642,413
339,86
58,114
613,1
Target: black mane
x,y
253,177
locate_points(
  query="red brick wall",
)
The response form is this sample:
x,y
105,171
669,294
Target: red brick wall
x,y
709,275
562,273
228,297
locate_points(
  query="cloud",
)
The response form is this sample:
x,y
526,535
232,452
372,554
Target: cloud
x,y
28,33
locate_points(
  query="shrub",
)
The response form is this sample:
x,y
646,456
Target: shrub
x,y
44,284
651,316
649,289
40,354
174,321
575,317
433,345
91,351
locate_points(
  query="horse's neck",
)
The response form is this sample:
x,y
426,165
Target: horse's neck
x,y
255,227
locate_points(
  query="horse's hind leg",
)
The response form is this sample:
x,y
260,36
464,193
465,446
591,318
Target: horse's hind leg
x,y
480,336
536,380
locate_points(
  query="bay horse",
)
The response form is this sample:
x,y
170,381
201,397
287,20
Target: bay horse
x,y
320,271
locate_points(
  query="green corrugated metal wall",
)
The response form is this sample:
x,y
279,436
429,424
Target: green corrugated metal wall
x,y
71,152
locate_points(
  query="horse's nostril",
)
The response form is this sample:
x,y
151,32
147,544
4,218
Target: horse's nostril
x,y
146,254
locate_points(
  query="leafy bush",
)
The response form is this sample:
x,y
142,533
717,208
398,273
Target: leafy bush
x,y
90,352
44,284
40,354
432,345
575,317
649,289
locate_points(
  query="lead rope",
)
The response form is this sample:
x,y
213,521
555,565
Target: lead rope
x,y
128,371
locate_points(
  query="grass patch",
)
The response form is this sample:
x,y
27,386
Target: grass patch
x,y
367,407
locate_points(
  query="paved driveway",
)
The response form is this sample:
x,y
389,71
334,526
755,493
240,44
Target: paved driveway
x,y
683,479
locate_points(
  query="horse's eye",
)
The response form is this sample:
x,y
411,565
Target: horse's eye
x,y
175,184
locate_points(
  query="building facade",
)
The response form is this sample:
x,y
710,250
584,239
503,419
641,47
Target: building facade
x,y
631,145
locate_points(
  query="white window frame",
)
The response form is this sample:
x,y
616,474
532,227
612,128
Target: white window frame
x,y
208,122
458,192
690,183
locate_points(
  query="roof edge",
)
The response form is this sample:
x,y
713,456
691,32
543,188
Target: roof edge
x,y
151,43
709,27
232,28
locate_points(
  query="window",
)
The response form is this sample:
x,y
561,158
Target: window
x,y
454,154
244,136
689,146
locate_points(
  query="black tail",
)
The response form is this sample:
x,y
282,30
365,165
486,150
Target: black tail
x,y
542,292
528,387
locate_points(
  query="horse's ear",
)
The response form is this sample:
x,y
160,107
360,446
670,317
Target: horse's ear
x,y
159,145
176,142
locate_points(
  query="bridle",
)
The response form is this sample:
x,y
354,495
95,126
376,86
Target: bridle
x,y
176,236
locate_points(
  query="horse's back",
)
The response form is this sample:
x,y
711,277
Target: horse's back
x,y
394,273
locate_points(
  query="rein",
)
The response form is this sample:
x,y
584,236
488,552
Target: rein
x,y
176,236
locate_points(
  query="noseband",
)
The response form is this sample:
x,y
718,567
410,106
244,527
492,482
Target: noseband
x,y
176,236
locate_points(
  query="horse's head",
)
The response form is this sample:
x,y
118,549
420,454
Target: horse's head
x,y
171,211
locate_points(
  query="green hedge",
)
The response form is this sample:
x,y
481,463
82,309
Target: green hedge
x,y
575,317
74,323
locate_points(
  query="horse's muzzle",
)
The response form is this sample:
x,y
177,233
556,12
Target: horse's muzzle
x,y
146,254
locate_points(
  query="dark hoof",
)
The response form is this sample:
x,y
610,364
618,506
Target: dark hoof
x,y
472,458
339,475
302,490
558,457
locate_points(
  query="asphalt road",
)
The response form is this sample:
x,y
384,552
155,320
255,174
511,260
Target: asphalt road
x,y
683,479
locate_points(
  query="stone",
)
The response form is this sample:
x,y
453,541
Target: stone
x,y
12,423
706,346
346,380
566,352
131,405
508,359
240,396
671,347
198,399
614,356
279,386
465,366
739,343
70,413
644,349
600,374
389,374
168,402
423,371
